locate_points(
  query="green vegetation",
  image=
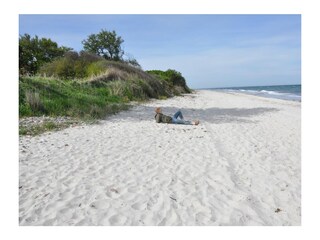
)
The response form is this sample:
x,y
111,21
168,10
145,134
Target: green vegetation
x,y
173,78
91,84
34,52
105,44
93,97
38,129
53,97
50,124
73,65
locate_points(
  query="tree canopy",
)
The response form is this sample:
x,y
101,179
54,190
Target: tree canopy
x,y
106,44
34,52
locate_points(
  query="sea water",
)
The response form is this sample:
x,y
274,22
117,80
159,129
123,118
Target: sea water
x,y
287,92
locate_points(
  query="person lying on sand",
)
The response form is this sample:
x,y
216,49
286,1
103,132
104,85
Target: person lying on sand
x,y
177,118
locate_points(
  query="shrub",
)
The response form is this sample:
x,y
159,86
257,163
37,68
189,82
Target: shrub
x,y
88,57
25,110
172,77
49,69
35,51
65,68
80,69
71,55
95,68
73,65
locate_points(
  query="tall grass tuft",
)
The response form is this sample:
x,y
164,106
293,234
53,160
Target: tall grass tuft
x,y
33,100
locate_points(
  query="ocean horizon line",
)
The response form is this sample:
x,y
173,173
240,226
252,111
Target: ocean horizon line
x,y
204,88
286,92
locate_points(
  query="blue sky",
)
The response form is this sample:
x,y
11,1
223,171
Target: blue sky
x,y
209,50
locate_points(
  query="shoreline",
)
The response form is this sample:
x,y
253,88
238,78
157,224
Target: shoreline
x,y
240,166
285,92
254,95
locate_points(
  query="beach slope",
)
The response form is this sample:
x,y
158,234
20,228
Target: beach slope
x,y
240,166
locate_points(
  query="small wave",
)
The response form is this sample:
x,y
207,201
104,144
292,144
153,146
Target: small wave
x,y
272,92
250,91
266,93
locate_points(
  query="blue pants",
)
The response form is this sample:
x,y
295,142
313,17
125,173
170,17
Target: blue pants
x,y
176,120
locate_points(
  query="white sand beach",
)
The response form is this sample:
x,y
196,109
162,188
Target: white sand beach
x,y
240,166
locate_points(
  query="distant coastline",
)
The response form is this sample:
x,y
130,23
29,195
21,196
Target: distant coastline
x,y
286,92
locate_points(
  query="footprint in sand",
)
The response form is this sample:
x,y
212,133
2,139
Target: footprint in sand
x,y
113,194
117,220
139,206
134,189
101,204
202,218
50,222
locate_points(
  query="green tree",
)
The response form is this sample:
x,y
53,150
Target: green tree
x,y
34,52
106,44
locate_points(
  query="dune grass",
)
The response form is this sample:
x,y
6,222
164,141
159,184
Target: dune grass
x,y
53,97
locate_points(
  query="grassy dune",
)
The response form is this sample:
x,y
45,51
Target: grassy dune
x,y
107,92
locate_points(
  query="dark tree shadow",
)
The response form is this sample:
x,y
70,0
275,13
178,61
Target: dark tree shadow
x,y
210,115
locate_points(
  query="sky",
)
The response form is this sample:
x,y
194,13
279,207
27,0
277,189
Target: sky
x,y
211,51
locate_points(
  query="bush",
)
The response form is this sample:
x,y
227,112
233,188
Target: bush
x,y
49,69
65,68
25,110
88,57
80,69
95,68
172,77
35,51
73,65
